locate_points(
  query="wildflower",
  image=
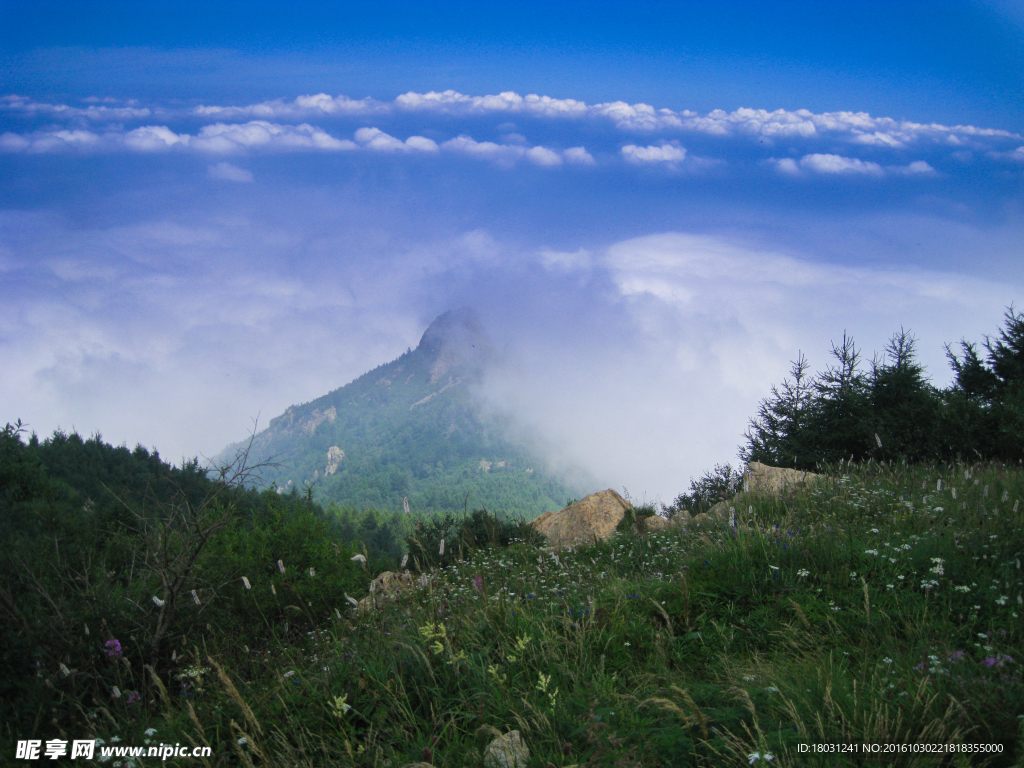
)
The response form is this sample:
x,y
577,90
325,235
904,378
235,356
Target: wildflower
x,y
998,661
774,567
887,660
289,673
802,573
338,705
1002,600
64,671
312,573
937,570
440,550
358,558
243,741
113,649
195,597
405,559
772,689
478,583
150,731
351,599
156,601
753,757
246,582
116,691
280,566
134,698
273,589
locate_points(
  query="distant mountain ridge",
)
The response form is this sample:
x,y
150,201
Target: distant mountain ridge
x,y
410,429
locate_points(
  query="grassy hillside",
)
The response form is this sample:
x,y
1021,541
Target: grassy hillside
x,y
410,429
881,606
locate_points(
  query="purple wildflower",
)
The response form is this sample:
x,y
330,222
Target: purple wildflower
x,y
998,661
478,583
134,698
113,649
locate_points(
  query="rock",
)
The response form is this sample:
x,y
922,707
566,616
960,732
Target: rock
x,y
583,522
507,751
760,480
385,587
334,458
773,481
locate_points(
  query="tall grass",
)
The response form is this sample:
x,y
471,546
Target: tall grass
x,y
880,606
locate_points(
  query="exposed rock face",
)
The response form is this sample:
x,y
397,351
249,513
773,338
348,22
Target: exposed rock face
x,y
334,458
507,751
583,522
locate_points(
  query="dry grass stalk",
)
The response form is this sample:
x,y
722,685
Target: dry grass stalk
x,y
236,696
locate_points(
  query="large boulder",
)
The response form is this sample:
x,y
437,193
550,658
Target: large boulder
x,y
590,519
760,480
773,481
507,751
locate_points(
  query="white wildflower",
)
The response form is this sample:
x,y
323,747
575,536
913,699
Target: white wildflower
x,y
156,601
280,566
246,582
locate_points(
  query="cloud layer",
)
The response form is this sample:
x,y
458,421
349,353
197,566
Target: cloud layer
x,y
826,145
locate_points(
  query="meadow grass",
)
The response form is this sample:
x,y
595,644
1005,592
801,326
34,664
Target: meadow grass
x,y
881,605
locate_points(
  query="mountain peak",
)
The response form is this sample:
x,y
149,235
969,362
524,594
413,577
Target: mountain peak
x,y
456,340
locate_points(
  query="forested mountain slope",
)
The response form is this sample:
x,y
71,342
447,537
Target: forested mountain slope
x,y
410,429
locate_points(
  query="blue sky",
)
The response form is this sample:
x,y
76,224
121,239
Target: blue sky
x,y
213,211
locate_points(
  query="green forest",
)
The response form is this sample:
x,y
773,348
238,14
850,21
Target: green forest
x,y
888,410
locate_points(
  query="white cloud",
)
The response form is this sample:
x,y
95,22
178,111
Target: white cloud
x,y
376,139
506,155
25,105
563,261
41,142
666,153
543,156
837,164
578,156
229,172
916,168
236,137
153,138
314,105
